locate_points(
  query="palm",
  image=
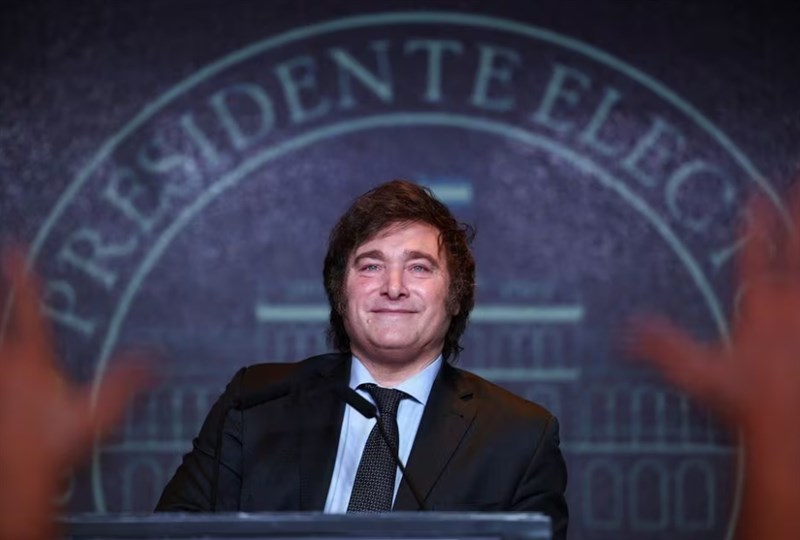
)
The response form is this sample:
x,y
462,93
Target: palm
x,y
46,423
754,383
760,366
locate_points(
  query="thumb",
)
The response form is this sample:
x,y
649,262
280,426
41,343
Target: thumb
x,y
689,365
115,393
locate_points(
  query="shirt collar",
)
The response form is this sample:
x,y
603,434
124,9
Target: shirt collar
x,y
418,386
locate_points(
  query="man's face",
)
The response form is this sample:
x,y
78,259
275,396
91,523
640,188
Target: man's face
x,y
396,288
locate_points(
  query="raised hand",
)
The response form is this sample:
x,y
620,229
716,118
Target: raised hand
x,y
47,425
754,383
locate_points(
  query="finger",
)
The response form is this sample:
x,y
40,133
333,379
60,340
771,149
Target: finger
x,y
792,248
27,325
116,391
684,362
758,234
9,263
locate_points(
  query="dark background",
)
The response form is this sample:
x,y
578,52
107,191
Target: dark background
x,y
72,74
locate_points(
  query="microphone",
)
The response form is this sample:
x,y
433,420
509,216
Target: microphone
x,y
368,410
357,401
263,395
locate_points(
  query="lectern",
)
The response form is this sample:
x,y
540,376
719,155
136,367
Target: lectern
x,y
310,526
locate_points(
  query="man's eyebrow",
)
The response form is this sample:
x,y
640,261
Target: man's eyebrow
x,y
410,255
372,254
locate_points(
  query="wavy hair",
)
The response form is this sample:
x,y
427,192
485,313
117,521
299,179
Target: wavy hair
x,y
395,202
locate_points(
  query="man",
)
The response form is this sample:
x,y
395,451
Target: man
x,y
399,276
753,384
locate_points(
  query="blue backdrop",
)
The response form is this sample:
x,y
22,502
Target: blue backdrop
x,y
175,168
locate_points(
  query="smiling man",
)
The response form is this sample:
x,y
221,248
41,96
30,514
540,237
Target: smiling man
x,y
400,279
396,296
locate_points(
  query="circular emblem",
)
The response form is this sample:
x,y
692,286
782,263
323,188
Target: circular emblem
x,y
597,193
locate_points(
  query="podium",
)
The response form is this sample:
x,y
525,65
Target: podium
x,y
310,526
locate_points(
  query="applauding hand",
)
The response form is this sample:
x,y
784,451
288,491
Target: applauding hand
x,y
47,425
753,383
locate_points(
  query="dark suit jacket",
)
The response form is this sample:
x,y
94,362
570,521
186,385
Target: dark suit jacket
x,y
478,447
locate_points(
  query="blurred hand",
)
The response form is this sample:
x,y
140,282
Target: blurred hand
x,y
47,425
754,384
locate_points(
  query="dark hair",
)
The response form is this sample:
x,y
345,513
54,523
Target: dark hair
x,y
391,203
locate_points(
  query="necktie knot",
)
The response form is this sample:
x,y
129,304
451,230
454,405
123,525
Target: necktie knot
x,y
386,399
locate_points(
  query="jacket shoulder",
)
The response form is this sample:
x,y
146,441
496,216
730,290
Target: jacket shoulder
x,y
258,376
498,400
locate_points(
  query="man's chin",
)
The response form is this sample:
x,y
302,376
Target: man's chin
x,y
394,346
395,350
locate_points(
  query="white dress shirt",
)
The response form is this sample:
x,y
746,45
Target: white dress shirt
x,y
356,429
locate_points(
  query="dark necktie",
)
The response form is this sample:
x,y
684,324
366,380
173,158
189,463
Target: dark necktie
x,y
373,488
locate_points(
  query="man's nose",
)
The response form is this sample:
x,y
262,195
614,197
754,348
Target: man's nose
x,y
394,286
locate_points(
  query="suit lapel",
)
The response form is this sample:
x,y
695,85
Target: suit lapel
x,y
320,421
448,415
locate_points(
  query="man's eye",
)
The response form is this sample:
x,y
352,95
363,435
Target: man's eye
x,y
369,268
420,268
